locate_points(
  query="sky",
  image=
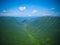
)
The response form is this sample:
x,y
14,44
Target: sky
x,y
29,8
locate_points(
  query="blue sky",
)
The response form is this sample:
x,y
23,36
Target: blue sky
x,y
29,7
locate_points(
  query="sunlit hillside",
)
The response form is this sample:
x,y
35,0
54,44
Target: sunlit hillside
x,y
30,30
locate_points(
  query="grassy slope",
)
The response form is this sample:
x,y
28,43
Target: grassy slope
x,y
34,31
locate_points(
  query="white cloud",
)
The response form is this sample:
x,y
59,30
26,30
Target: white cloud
x,y
46,14
34,11
4,11
52,8
22,8
29,15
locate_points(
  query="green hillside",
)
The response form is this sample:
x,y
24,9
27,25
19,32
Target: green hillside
x,y
29,30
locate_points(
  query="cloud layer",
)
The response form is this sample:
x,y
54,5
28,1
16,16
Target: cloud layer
x,y
24,11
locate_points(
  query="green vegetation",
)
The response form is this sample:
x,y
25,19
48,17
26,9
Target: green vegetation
x,y
30,31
